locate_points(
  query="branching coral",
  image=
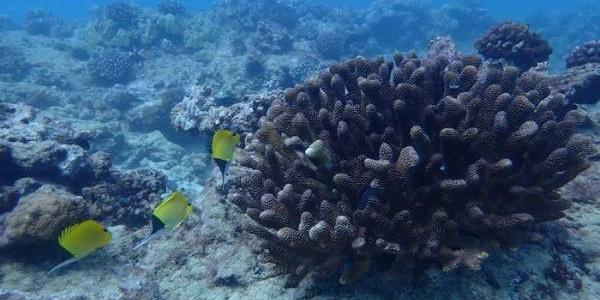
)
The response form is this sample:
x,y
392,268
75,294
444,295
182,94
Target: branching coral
x,y
515,43
412,162
584,54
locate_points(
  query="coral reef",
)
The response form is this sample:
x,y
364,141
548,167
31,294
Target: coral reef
x,y
42,22
13,65
429,161
121,14
111,66
6,23
580,84
515,43
129,27
566,29
584,54
47,168
82,146
172,7
199,112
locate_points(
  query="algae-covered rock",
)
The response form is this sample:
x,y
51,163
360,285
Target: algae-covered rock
x,y
39,217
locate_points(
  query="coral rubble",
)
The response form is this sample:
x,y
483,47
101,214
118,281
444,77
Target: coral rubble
x,y
430,162
515,43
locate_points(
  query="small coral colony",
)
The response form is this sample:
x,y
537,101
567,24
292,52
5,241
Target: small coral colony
x,y
413,161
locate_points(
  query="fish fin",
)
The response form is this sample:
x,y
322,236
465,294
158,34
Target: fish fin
x,y
63,264
365,197
223,166
209,143
144,241
157,224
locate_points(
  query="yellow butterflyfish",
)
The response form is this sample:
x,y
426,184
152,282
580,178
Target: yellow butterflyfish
x,y
222,149
170,213
80,240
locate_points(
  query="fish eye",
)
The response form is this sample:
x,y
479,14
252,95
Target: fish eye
x,y
105,230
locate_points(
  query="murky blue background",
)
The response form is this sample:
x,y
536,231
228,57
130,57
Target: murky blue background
x,y
512,9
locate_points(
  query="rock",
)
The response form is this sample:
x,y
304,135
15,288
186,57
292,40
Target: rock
x,y
13,295
580,84
39,217
138,285
37,157
49,158
10,195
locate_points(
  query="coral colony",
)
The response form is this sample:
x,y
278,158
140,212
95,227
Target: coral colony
x,y
433,161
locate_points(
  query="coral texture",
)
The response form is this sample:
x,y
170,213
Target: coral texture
x,y
584,54
13,65
428,162
515,43
199,112
111,66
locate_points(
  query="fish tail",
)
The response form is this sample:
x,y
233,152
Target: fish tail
x,y
63,264
144,241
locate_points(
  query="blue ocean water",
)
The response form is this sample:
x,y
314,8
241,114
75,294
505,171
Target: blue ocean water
x,y
511,9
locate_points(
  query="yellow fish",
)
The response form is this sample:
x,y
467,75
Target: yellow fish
x,y
80,240
168,214
222,149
